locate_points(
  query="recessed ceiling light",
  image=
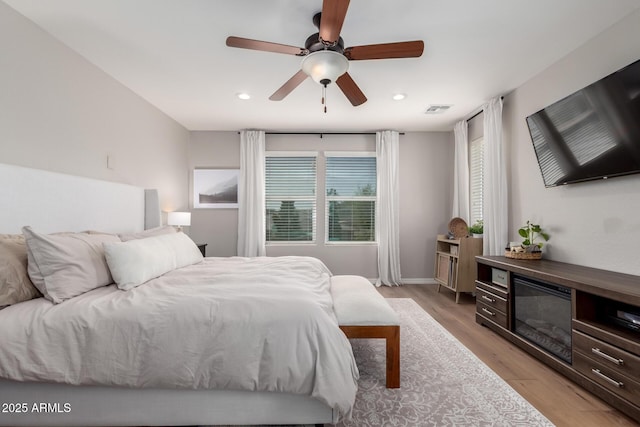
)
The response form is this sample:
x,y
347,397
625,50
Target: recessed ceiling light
x,y
244,96
399,96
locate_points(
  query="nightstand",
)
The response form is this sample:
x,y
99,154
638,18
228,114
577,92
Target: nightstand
x,y
203,248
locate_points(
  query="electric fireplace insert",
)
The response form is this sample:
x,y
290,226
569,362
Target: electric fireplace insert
x,y
542,314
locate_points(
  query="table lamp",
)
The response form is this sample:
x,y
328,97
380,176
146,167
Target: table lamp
x,y
179,219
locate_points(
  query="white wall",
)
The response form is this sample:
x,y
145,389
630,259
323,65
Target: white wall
x,y
59,112
425,201
596,223
216,227
426,189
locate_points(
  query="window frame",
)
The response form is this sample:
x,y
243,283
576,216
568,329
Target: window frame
x,y
472,217
328,199
314,218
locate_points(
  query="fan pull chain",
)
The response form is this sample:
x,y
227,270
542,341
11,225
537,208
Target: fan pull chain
x,y
324,83
324,98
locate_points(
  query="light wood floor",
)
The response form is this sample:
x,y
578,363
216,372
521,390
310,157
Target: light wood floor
x,y
560,400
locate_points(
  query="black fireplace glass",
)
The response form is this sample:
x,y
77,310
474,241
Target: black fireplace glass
x,y
542,314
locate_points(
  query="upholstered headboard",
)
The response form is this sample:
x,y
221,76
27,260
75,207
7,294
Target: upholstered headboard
x,y
51,202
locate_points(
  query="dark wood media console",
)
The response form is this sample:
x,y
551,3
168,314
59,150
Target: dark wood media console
x,y
605,351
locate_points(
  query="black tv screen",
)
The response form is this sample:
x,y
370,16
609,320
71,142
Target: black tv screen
x,y
591,134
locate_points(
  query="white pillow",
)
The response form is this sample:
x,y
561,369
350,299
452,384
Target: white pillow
x,y
157,231
137,261
65,265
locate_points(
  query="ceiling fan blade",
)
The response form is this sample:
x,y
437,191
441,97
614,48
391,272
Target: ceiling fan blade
x,y
333,14
265,46
289,86
351,90
411,49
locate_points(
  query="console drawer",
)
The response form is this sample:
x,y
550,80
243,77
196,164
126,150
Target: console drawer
x,y
496,290
613,357
488,312
491,299
607,377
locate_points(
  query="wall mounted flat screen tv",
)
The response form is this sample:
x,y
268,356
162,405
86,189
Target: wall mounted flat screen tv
x,y
593,133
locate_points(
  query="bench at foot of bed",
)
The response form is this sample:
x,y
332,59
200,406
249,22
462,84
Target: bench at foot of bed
x,y
363,313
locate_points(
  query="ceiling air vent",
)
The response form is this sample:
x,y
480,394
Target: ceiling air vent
x,y
437,109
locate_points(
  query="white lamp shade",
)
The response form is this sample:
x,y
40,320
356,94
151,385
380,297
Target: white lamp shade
x,y
325,64
179,218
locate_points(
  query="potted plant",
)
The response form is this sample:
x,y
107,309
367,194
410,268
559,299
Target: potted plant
x,y
477,229
531,232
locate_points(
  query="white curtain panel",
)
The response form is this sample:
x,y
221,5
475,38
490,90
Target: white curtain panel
x,y
461,172
387,208
495,210
251,189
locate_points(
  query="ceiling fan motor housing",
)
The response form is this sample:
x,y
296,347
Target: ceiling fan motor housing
x,y
314,44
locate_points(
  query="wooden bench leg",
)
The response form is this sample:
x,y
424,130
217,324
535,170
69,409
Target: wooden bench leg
x,y
393,357
391,334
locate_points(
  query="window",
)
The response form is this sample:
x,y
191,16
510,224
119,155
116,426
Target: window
x,y
350,187
476,179
290,197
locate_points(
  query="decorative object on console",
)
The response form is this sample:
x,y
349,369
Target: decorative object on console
x,y
179,219
529,248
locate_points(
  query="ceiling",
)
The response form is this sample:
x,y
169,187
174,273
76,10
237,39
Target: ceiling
x,y
173,54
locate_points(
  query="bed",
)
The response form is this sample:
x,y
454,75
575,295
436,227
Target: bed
x,y
149,397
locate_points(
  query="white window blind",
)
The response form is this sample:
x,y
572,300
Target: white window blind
x,y
476,179
351,197
290,197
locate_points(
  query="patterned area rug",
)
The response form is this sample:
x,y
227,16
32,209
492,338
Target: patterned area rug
x,y
442,383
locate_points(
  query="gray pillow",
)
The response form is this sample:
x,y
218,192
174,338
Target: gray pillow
x,y
65,265
15,285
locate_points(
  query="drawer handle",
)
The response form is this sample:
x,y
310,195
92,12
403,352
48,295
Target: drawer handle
x,y
611,381
486,298
488,312
598,352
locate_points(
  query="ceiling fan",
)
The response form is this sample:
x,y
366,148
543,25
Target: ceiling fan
x,y
325,58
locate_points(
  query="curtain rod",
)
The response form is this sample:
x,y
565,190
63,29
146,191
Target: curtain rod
x,y
478,113
475,115
322,133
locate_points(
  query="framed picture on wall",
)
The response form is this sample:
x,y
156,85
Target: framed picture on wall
x,y
215,188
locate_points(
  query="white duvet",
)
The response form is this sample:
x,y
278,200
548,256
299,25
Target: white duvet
x,y
263,324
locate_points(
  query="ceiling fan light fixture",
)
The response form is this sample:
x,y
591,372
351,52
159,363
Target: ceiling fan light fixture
x,y
244,96
325,65
399,96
